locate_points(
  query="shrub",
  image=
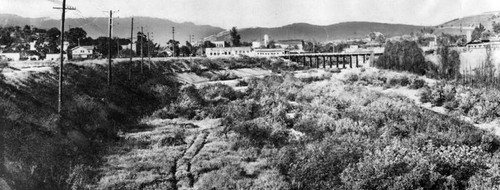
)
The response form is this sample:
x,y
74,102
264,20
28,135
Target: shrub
x,y
417,83
352,77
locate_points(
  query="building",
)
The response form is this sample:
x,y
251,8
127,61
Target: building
x,y
228,51
10,56
291,44
55,56
268,52
266,40
483,45
65,46
256,44
134,46
82,52
352,48
219,44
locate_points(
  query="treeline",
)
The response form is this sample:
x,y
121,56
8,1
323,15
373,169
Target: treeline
x,y
17,39
408,56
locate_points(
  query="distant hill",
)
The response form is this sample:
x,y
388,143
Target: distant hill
x,y
461,25
161,29
311,32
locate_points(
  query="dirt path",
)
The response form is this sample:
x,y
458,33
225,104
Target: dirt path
x,y
158,156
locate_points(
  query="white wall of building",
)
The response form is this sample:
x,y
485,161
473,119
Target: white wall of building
x,y
228,51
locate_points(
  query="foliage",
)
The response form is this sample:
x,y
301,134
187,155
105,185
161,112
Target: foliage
x,y
403,56
235,37
477,32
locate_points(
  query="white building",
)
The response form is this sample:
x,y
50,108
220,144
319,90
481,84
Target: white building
x,y
82,52
219,44
266,40
228,51
352,48
55,56
10,56
65,46
291,44
268,52
32,46
256,44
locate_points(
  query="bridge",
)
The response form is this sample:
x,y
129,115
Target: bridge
x,y
330,58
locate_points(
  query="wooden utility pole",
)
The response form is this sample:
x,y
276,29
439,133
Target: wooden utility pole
x,y
149,53
142,54
109,47
60,90
173,33
131,47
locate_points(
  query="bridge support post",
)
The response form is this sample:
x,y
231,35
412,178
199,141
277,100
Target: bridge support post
x,y
337,61
317,61
350,61
310,61
304,63
330,60
364,58
343,61
357,62
324,62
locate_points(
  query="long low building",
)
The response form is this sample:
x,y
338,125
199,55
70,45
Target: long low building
x,y
268,52
228,51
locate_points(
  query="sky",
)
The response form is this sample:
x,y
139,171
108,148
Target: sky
x,y
262,13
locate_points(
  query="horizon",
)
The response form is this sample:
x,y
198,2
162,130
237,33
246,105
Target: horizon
x,y
272,13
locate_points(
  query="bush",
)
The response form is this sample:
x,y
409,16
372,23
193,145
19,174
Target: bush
x,y
417,83
352,77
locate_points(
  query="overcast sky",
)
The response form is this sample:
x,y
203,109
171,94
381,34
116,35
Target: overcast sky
x,y
264,13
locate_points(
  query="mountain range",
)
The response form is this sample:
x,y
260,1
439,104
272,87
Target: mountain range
x,y
161,29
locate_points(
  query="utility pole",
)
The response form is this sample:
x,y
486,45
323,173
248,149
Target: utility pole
x,y
63,17
109,47
142,54
149,53
173,33
131,47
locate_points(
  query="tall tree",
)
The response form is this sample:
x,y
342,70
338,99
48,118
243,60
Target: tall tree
x,y
75,34
478,31
235,37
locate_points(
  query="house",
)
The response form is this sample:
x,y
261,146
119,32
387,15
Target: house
x,y
228,51
82,52
269,52
55,56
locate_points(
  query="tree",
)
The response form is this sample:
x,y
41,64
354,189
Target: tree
x,y
235,37
185,51
174,47
208,44
496,27
477,33
75,34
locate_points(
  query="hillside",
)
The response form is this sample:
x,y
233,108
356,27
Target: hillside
x,y
311,32
461,25
98,26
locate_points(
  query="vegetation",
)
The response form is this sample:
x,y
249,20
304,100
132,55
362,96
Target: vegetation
x,y
45,151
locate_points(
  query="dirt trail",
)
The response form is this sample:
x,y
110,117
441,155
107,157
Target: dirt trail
x,y
156,157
